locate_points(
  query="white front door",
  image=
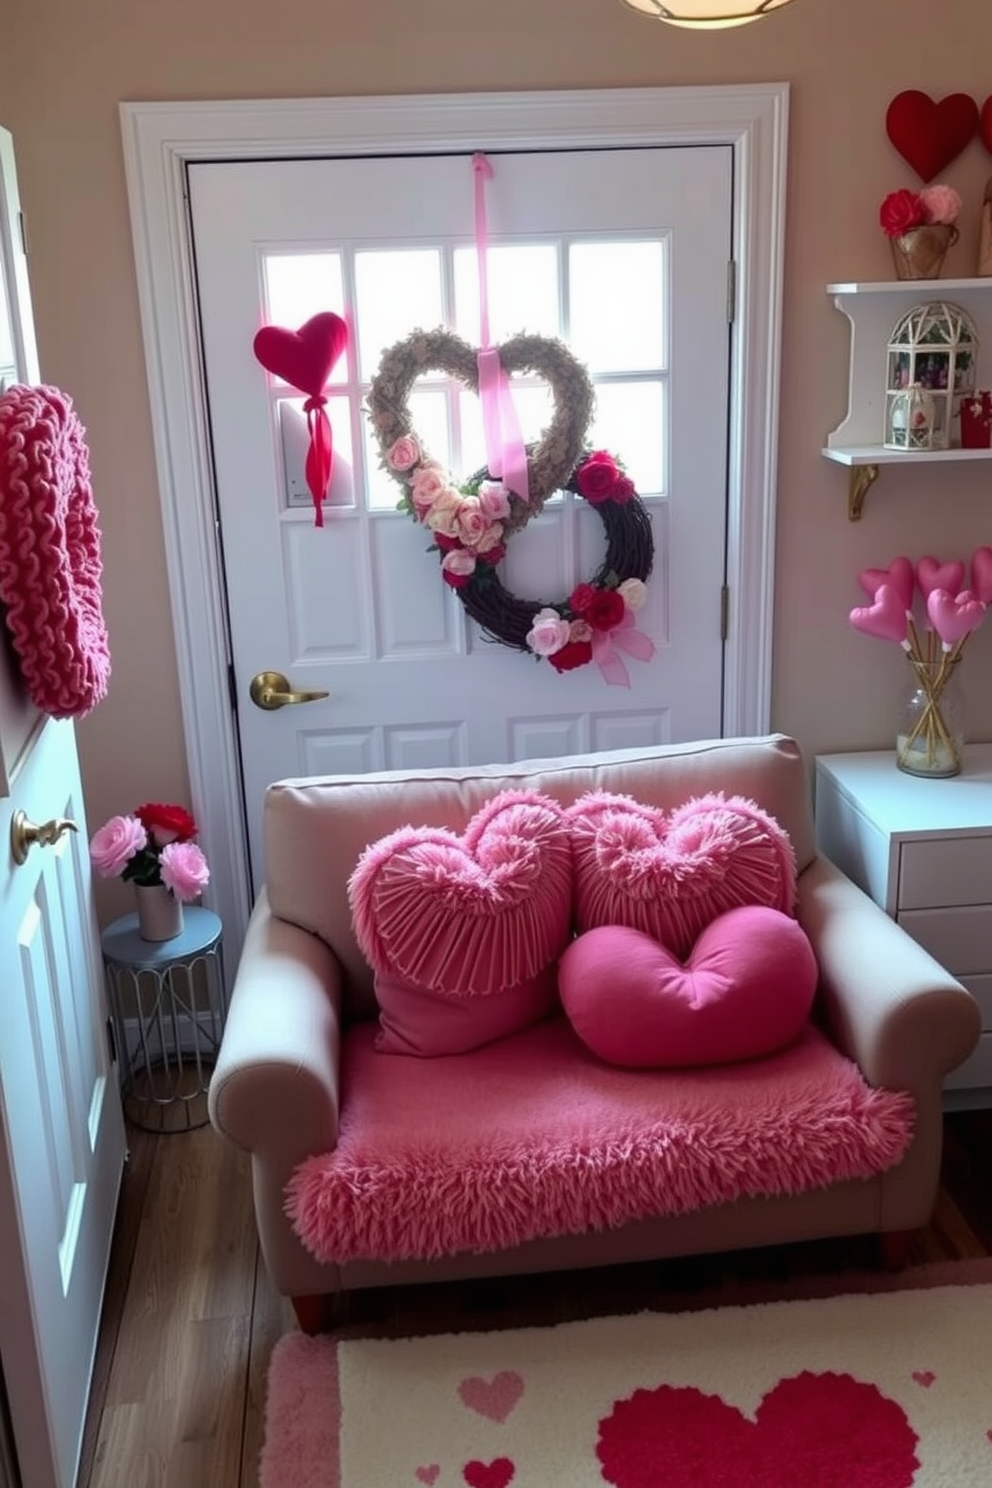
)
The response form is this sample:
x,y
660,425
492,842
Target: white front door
x,y
61,1125
624,254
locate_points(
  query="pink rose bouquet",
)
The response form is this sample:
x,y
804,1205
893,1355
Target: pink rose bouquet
x,y
154,846
901,211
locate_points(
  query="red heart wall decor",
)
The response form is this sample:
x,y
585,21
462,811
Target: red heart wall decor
x,y
303,358
927,134
985,124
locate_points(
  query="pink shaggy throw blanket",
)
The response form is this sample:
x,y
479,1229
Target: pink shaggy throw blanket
x,y
534,1136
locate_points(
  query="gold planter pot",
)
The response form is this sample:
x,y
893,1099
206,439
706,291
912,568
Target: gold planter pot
x,y
920,253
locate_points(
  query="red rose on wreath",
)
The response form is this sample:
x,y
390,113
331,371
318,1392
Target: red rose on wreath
x,y
581,598
166,824
901,211
606,610
573,654
598,477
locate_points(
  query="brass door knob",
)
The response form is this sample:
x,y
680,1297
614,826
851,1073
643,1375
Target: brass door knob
x,y
272,690
24,834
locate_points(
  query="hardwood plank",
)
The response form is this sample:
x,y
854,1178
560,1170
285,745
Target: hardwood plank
x,y
272,1316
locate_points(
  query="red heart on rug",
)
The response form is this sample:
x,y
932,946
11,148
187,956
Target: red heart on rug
x,y
828,1429
985,124
428,1474
924,1377
493,1398
494,1474
303,358
671,874
927,134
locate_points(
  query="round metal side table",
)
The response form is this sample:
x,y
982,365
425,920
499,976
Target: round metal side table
x,y
168,1004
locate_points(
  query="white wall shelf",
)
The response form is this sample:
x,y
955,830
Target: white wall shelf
x,y
872,310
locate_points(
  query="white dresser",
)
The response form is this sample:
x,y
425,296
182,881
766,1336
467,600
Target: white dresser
x,y
923,850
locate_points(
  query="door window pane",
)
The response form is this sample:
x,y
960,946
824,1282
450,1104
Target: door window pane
x,y
533,405
523,291
301,285
395,291
631,420
429,412
617,305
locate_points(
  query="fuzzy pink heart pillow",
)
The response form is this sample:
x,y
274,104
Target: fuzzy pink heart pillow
x,y
464,932
671,874
745,990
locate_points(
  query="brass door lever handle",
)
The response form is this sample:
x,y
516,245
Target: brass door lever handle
x,y
24,834
270,690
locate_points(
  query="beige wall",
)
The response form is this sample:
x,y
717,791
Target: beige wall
x,y
64,66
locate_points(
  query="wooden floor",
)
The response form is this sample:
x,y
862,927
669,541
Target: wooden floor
x,y
191,1318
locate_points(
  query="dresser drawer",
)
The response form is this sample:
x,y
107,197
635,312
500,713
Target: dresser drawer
x,y
960,939
945,870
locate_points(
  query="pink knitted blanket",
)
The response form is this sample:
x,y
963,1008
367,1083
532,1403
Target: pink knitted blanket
x,y
533,1136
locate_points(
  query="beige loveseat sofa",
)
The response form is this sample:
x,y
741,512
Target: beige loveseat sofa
x,y
275,1091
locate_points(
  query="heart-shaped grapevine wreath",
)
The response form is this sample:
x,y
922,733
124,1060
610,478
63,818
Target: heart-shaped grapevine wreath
x,y
471,519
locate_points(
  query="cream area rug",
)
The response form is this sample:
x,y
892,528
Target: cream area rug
x,y
891,1390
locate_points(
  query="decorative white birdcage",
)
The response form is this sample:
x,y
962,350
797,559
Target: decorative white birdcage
x,y
933,352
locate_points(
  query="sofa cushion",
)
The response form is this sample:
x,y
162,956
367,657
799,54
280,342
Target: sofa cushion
x,y
671,873
746,989
534,1136
463,931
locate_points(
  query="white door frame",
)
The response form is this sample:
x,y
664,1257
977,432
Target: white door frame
x,y
160,139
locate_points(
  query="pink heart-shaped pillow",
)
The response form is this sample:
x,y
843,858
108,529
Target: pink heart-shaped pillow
x,y
981,574
463,931
303,358
745,990
670,875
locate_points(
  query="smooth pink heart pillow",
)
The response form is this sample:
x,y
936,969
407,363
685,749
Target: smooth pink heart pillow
x,y
464,932
745,991
670,875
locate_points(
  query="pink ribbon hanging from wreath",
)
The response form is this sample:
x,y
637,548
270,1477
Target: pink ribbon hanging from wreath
x,y
607,644
506,455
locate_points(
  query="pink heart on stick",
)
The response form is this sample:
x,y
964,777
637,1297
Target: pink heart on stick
x,y
954,616
900,574
886,618
932,574
981,574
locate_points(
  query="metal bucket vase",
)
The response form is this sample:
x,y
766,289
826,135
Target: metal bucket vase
x,y
160,914
920,253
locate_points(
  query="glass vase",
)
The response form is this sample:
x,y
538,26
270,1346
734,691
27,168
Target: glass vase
x,y
930,727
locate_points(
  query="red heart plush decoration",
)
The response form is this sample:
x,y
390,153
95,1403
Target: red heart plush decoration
x,y
985,124
671,875
303,358
929,135
827,1429
981,574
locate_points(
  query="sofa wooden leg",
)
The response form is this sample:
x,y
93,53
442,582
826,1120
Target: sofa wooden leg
x,y
314,1313
894,1247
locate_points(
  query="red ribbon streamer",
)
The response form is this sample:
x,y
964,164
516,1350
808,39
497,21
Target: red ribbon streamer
x,y
320,454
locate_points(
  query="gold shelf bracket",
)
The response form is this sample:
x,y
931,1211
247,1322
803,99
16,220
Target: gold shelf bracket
x,y
860,482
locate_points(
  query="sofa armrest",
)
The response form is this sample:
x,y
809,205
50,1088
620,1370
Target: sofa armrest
x,y
274,1090
889,1005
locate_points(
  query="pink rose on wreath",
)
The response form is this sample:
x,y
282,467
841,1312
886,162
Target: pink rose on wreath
x,y
597,477
633,592
404,453
606,610
494,501
572,655
548,632
443,514
428,483
472,525
184,870
580,630
457,567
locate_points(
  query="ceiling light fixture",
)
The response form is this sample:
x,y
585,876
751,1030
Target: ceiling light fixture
x,y
706,15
